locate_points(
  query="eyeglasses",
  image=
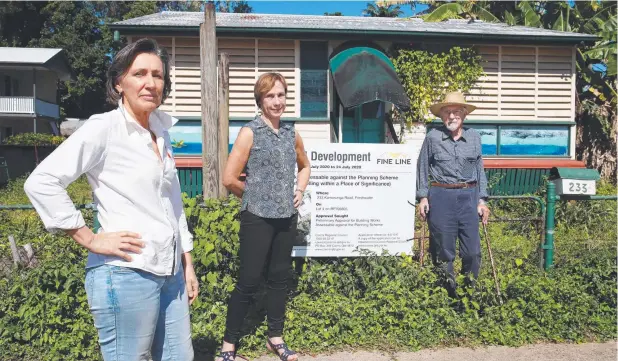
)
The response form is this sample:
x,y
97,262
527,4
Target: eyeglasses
x,y
457,112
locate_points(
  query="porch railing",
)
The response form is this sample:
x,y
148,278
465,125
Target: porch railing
x,y
29,105
17,105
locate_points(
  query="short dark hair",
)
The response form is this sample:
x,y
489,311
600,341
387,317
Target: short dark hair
x,y
265,83
123,61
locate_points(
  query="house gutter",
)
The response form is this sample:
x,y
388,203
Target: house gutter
x,y
135,29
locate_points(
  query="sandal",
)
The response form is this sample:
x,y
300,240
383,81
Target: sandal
x,y
227,355
282,346
231,355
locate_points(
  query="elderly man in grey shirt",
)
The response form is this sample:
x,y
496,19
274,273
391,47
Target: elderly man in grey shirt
x,y
452,188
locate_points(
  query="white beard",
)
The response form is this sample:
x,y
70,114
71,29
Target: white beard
x,y
452,126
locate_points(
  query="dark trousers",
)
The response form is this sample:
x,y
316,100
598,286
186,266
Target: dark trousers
x,y
453,214
265,246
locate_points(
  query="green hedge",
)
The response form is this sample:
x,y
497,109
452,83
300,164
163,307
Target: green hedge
x,y
372,302
33,139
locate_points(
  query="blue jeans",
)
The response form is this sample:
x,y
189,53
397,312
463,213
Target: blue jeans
x,y
138,314
453,214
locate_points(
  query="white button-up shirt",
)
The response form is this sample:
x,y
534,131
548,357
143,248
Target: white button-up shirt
x,y
133,189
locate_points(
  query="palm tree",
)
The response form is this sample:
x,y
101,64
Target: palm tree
x,y
473,10
385,10
413,4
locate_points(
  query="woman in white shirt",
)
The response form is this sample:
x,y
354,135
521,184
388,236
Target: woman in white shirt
x,y
139,278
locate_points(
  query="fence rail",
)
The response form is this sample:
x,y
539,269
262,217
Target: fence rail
x,y
545,215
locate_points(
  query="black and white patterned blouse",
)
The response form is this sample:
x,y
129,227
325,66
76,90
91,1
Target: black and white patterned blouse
x,y
270,169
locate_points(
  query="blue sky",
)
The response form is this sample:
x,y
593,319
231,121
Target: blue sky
x,y
348,8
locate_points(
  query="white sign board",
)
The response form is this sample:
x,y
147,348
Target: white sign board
x,y
360,198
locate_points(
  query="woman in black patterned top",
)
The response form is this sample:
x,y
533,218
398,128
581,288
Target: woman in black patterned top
x,y
269,151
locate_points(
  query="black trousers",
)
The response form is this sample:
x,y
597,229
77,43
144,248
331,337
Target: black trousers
x,y
265,245
453,214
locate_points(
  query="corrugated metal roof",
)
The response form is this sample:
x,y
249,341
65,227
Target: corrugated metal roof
x,y
349,24
48,58
35,56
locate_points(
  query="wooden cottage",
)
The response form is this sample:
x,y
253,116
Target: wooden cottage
x,y
526,100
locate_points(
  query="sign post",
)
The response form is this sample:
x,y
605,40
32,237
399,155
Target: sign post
x,y
360,200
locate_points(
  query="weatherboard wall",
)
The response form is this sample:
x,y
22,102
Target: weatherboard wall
x,y
528,88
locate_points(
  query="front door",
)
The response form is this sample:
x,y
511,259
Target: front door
x,y
364,124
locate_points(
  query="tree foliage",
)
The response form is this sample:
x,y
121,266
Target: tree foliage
x,y
81,28
20,22
426,74
474,10
386,10
228,6
72,26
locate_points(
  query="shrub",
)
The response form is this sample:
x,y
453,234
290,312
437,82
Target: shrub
x,y
25,225
370,302
34,139
43,311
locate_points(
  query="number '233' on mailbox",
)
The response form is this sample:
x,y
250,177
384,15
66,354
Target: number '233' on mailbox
x,y
575,181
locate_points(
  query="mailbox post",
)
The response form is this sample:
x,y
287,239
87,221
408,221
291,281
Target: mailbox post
x,y
565,183
574,181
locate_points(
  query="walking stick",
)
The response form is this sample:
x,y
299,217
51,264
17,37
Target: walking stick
x,y
421,253
493,266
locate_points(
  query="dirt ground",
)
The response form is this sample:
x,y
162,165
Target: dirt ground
x,y
543,352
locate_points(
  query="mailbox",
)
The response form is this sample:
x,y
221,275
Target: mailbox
x,y
574,181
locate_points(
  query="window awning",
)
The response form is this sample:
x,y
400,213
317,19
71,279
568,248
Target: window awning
x,y
363,74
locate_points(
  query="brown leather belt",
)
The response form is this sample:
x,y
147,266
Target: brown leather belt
x,y
454,185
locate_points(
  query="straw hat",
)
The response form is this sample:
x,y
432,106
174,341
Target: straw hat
x,y
452,98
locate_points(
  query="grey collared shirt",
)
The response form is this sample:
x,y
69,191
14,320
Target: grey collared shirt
x,y
449,161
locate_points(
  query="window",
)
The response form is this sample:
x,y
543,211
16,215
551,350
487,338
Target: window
x,y
7,86
313,79
5,133
186,137
534,140
11,86
489,138
523,140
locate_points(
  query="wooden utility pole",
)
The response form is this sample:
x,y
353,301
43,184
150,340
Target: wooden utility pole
x,y
210,134
224,117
